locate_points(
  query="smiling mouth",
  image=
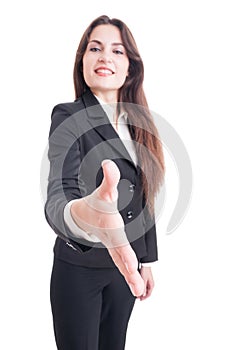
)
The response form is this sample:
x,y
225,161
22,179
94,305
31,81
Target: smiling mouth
x,y
104,71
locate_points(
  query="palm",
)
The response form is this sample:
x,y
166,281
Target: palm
x,y
98,214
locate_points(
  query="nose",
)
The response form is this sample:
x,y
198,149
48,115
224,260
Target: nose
x,y
105,58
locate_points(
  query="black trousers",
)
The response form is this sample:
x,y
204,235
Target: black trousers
x,y
91,307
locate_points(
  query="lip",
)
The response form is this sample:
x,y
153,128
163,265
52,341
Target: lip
x,y
102,70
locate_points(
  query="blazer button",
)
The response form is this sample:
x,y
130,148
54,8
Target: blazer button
x,y
131,188
129,214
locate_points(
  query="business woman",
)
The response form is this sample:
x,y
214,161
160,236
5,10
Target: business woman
x,y
106,166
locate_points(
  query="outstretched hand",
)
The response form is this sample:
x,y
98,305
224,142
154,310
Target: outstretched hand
x,y
98,214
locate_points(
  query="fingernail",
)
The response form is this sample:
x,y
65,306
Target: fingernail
x,y
105,161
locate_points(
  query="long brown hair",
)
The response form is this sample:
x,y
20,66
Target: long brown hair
x,y
142,128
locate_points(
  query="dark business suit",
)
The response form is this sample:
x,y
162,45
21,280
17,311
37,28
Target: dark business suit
x,y
81,137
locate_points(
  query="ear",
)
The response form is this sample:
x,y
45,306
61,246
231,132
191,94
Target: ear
x,y
129,69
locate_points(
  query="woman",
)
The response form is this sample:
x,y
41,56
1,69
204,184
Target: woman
x,y
106,165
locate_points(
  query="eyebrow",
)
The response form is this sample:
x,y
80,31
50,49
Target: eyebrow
x,y
100,43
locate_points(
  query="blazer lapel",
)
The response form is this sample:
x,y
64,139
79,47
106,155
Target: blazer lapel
x,y
101,124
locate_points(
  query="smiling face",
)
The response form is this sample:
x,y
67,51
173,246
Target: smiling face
x,y
105,62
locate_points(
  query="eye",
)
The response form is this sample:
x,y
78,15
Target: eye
x,y
94,49
118,52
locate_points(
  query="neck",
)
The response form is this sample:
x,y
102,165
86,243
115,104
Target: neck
x,y
106,96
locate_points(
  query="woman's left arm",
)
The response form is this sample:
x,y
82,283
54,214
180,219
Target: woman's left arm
x,y
147,276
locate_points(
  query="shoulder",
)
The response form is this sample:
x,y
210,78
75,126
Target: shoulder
x,y
62,111
68,108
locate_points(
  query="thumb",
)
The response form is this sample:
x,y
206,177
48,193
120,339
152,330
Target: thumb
x,y
108,188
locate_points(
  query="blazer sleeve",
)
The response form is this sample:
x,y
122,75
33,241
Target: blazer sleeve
x,y
64,159
150,238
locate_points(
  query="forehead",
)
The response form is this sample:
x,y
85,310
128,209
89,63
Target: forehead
x,y
106,33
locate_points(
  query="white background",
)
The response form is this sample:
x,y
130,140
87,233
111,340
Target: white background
x,y
187,51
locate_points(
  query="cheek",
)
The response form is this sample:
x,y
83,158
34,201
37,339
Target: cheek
x,y
86,67
87,62
124,70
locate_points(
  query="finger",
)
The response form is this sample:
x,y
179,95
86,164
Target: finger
x,y
128,257
111,173
150,289
147,292
118,262
134,279
108,187
123,270
144,295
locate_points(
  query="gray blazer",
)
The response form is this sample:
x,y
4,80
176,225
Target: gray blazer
x,y
80,138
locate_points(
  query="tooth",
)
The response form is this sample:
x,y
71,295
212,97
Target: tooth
x,y
105,71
